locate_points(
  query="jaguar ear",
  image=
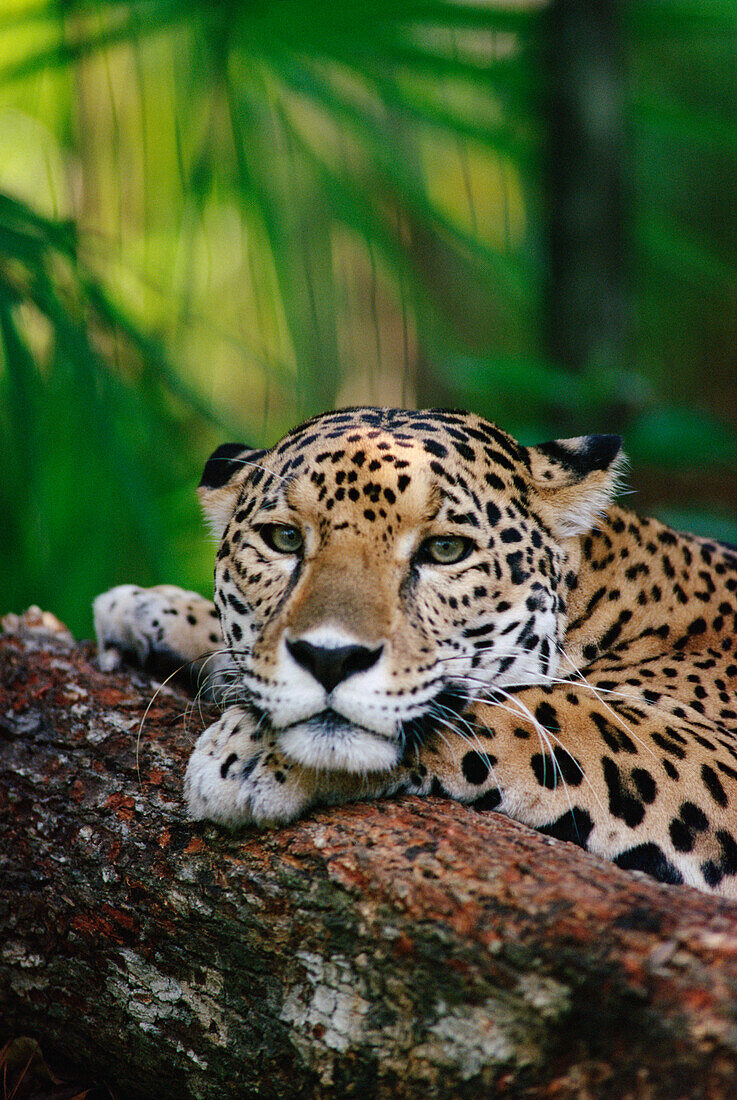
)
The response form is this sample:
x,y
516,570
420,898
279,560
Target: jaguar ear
x,y
576,480
222,480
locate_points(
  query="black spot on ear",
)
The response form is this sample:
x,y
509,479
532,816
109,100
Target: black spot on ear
x,y
596,452
649,858
222,464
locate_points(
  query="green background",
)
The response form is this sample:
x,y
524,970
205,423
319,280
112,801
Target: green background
x,y
218,218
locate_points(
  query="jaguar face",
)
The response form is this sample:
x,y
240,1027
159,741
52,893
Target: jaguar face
x,y
379,569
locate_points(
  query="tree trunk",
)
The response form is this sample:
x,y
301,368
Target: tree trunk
x,y
589,205
410,948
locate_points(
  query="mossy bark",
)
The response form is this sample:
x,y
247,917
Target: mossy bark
x,y
410,947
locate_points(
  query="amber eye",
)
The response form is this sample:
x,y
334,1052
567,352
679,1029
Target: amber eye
x,y
445,549
283,538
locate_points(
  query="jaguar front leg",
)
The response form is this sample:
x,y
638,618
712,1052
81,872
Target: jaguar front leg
x,y
164,628
237,775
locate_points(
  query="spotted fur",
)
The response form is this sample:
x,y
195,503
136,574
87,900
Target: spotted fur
x,y
573,667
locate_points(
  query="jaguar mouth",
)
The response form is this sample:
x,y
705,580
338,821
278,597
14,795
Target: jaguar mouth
x,y
329,741
332,722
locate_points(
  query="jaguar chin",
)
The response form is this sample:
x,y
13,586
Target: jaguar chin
x,y
329,741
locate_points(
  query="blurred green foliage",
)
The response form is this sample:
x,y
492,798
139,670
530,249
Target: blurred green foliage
x,y
217,219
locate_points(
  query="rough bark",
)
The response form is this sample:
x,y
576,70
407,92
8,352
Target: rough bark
x,y
410,947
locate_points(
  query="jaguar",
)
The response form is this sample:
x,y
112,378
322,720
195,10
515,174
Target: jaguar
x,y
412,601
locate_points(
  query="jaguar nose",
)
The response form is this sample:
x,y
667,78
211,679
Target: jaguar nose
x,y
330,666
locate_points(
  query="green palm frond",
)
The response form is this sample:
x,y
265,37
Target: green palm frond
x,y
214,218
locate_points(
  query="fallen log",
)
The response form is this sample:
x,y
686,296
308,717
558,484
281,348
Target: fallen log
x,y
408,948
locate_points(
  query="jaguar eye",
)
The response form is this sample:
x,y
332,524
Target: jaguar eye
x,y
283,538
446,549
